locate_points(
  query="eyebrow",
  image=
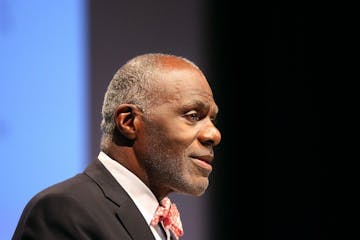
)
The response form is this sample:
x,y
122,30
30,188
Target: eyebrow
x,y
201,105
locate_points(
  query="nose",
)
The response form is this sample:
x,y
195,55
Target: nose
x,y
210,135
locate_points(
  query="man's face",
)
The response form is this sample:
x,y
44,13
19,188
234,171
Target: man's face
x,y
176,143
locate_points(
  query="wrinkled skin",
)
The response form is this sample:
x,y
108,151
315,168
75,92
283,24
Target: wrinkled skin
x,y
175,140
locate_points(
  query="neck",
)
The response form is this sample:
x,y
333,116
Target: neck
x,y
126,156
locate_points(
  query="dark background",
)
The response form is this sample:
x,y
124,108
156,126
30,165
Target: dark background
x,y
275,181
270,69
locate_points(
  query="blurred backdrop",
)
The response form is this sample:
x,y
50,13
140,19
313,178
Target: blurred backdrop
x,y
270,180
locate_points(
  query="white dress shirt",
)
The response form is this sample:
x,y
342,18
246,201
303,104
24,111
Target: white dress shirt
x,y
142,196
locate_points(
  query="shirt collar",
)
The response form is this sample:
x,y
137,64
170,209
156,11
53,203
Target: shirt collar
x,y
142,196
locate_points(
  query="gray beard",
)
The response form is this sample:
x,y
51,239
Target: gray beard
x,y
165,165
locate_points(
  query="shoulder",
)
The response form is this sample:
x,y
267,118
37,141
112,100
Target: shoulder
x,y
61,210
69,187
79,186
66,194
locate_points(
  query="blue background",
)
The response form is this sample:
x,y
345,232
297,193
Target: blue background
x,y
43,90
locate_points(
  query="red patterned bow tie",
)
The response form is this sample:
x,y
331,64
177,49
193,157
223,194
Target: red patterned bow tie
x,y
168,214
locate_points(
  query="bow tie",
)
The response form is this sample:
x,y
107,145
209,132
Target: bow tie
x,y
168,214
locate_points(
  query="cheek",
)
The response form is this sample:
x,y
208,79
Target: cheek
x,y
181,141
172,145
181,132
173,135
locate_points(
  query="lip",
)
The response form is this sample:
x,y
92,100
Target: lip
x,y
206,158
204,161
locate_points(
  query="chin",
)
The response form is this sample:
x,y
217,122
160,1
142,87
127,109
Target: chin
x,y
198,188
199,194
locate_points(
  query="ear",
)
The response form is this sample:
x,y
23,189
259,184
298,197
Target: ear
x,y
125,120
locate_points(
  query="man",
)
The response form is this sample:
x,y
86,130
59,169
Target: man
x,y
158,137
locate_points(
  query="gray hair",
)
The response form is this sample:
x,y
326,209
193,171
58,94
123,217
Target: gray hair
x,y
134,84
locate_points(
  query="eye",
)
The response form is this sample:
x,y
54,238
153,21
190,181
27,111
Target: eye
x,y
193,116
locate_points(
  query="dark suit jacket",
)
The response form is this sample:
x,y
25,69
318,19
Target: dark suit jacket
x,y
91,205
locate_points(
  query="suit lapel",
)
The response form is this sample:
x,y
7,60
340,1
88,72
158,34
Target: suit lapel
x,y
128,214
133,223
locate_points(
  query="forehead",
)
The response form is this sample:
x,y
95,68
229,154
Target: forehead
x,y
185,85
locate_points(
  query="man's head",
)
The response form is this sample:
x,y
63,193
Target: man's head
x,y
158,116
